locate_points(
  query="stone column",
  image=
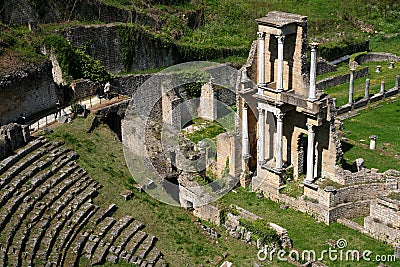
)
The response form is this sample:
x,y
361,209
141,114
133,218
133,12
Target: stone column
x,y
367,88
397,81
313,72
261,135
279,134
382,91
351,87
245,133
279,85
391,66
310,154
372,143
378,69
261,58
334,102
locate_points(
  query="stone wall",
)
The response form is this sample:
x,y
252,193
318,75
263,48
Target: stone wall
x,y
375,56
346,177
209,213
344,78
362,192
324,66
384,220
18,12
381,231
27,91
107,43
128,84
13,136
386,210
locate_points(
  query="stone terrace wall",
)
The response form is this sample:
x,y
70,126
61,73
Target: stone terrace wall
x,y
384,220
106,46
336,80
386,210
18,12
209,213
362,192
128,84
324,66
346,177
27,91
375,56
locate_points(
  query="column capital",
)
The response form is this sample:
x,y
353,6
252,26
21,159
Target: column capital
x,y
260,35
373,137
280,38
310,127
245,105
314,46
279,115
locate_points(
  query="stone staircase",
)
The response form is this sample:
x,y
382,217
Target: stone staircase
x,y
47,215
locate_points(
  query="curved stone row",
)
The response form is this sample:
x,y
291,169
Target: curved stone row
x,y
47,215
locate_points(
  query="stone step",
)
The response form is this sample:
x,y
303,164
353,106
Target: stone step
x,y
41,206
153,256
103,213
135,242
95,239
146,246
69,232
15,201
99,256
121,242
85,191
54,229
6,163
9,189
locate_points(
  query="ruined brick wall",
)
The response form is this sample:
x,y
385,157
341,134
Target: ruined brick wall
x,y
384,220
13,136
27,91
365,175
209,213
386,210
349,210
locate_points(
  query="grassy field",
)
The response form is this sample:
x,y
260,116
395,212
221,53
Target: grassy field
x,y
341,92
381,119
180,236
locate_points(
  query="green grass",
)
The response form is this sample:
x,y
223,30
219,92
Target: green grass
x,y
211,129
395,196
384,122
305,232
180,239
341,92
359,220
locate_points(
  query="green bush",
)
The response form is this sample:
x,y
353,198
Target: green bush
x,y
260,230
74,62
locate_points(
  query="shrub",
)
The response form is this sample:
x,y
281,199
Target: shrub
x,y
260,230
